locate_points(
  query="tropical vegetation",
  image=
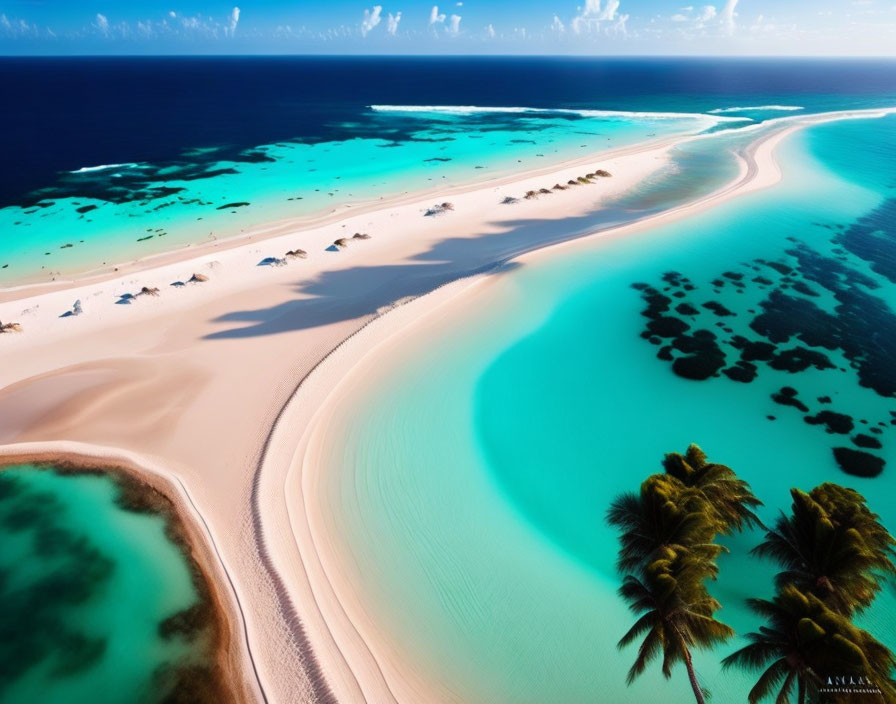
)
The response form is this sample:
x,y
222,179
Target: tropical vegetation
x,y
835,557
668,554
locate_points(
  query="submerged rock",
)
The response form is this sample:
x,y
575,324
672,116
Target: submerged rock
x,y
858,463
839,423
787,396
862,440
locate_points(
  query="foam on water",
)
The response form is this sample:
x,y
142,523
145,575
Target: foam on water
x,y
103,167
774,108
477,109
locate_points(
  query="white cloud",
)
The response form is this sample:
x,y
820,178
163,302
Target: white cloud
x,y
593,14
392,23
434,16
621,25
102,24
234,20
454,25
727,16
707,13
609,12
490,31
371,19
557,25
172,14
20,28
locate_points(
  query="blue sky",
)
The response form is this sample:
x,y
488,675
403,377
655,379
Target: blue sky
x,y
588,27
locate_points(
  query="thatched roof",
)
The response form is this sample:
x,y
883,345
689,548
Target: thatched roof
x,y
197,279
10,327
293,253
510,200
603,173
558,187
360,236
544,190
341,242
148,291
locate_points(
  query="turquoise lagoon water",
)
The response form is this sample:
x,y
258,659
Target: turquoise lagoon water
x,y
84,586
470,483
56,236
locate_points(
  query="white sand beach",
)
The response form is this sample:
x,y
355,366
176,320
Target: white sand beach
x,y
215,389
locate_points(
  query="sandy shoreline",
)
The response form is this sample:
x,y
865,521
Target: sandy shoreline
x,y
276,228
218,387
370,670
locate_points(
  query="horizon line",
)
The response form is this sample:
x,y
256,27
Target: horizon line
x,y
200,55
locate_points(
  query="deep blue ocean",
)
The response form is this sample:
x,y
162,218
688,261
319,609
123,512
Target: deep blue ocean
x,y
75,112
113,159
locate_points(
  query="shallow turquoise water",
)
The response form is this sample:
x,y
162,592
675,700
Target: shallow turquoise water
x,y
291,179
84,586
471,483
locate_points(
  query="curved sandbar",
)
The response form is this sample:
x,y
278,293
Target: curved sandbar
x,y
368,668
203,380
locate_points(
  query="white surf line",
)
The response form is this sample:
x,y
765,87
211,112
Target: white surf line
x,y
805,120
775,108
477,109
103,167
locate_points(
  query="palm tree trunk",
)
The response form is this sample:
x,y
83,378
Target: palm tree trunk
x,y
800,690
692,676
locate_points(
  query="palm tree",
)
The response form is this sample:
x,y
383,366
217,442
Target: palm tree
x,y
656,518
803,643
729,498
676,613
831,546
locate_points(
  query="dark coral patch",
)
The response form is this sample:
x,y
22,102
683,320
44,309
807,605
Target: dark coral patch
x,y
699,367
717,308
857,462
741,371
799,359
873,239
803,288
787,396
839,423
667,326
862,440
